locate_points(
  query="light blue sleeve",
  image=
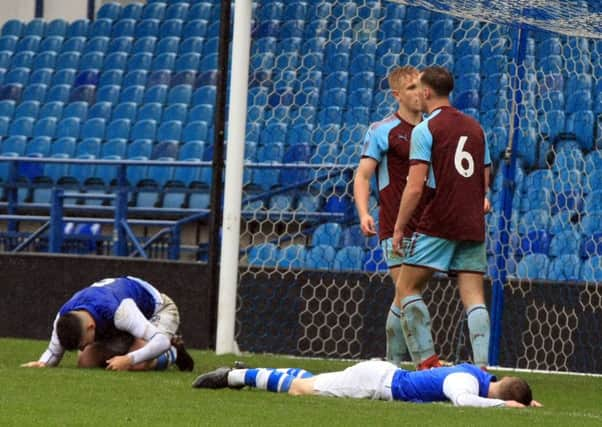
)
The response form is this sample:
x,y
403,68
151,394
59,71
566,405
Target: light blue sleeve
x,y
422,143
376,143
487,154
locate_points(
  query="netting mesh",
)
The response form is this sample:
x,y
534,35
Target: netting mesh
x,y
318,79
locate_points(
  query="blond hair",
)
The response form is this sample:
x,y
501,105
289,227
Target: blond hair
x,y
398,74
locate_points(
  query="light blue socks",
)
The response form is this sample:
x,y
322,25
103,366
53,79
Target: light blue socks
x,y
396,342
478,328
416,326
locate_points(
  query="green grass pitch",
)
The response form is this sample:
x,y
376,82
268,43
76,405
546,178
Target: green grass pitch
x,y
69,396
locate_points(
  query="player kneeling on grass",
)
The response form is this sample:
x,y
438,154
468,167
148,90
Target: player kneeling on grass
x,y
120,324
463,385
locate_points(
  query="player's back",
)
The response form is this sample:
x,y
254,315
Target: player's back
x,y
458,157
427,385
101,299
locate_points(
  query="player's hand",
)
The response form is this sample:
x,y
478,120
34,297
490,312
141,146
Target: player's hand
x,y
398,243
514,404
34,364
119,363
486,206
367,225
535,404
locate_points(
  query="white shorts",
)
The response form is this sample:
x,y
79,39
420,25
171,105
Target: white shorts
x,y
167,317
366,380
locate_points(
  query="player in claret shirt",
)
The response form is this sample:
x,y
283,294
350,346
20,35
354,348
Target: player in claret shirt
x,y
449,150
463,385
386,153
121,324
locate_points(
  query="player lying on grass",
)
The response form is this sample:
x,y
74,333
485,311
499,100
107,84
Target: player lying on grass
x,y
463,385
120,324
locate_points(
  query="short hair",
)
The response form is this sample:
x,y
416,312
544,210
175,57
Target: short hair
x,y
516,389
69,329
400,72
439,79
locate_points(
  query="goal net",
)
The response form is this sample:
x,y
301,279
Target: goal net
x,y
310,284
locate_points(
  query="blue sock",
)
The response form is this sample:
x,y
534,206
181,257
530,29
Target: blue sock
x,y
166,359
396,342
478,328
268,379
416,326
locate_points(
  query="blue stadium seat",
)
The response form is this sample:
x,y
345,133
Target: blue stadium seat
x,y
27,109
76,109
146,28
68,128
374,261
145,44
78,28
8,43
93,129
195,131
186,78
135,78
140,61
154,11
533,267
189,61
7,108
83,93
330,116
123,28
100,28
591,223
67,60
118,130
160,77
169,131
176,112
163,62
263,255
28,43
44,127
151,111
38,146
191,45
273,133
35,27
12,27
125,110
131,11
591,269
200,10
144,130
14,144
110,11
565,268
21,126
206,95
63,145
349,259
34,93
211,45
120,44
156,93
73,45
292,256
22,59
320,257
167,45
591,244
170,28
177,11
88,146
52,109
180,94
95,45
328,234
195,28
132,94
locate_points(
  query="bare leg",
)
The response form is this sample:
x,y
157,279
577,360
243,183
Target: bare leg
x,y
302,387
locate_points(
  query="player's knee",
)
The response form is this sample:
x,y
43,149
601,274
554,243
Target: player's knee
x,y
301,387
